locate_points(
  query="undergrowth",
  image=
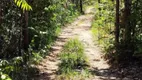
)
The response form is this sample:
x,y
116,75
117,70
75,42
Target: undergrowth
x,y
74,62
19,69
103,28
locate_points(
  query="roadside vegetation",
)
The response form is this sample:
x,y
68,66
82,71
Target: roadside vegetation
x,y
74,63
103,26
28,29
117,28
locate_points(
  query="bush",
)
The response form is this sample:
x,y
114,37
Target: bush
x,y
73,58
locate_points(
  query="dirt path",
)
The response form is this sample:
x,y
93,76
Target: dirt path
x,y
98,66
79,28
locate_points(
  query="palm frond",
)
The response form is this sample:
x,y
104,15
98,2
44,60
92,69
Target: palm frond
x,y
23,4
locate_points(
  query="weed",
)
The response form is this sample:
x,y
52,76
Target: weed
x,y
73,60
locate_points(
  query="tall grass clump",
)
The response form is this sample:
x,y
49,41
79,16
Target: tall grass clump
x,y
73,60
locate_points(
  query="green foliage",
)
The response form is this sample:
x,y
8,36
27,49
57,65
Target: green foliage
x,y
4,76
44,25
10,67
136,24
46,30
72,59
74,75
35,58
15,70
103,30
23,4
102,26
44,21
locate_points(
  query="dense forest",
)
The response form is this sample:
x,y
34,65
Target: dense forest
x,y
30,28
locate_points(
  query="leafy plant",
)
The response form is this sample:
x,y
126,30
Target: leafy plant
x,y
23,4
73,58
4,76
103,27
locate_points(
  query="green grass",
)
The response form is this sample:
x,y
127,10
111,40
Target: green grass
x,y
74,62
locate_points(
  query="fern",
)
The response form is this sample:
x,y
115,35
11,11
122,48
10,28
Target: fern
x,y
23,4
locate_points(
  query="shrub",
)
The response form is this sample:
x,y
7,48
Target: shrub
x,y
73,58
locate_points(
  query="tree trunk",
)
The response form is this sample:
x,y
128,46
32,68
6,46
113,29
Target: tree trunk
x,y
25,31
127,10
25,35
81,6
117,30
99,1
128,45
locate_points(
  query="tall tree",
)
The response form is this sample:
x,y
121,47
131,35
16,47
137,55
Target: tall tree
x,y
117,30
25,30
127,12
